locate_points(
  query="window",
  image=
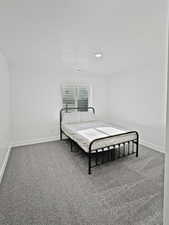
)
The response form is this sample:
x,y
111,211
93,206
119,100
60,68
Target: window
x,y
75,96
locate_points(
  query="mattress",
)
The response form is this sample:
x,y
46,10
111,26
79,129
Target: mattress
x,y
85,132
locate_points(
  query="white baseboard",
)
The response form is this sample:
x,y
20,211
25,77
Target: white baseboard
x,y
5,161
35,141
56,138
153,146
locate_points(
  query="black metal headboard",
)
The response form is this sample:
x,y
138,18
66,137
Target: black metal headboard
x,y
67,109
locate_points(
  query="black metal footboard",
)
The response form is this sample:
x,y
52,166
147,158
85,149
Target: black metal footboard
x,y
113,151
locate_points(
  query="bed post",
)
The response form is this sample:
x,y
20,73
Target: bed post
x,y
71,145
90,158
137,144
89,169
137,149
60,134
60,121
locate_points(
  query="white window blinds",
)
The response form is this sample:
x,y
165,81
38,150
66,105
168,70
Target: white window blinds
x,y
69,96
75,96
82,98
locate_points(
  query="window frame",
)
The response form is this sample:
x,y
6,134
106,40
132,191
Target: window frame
x,y
76,86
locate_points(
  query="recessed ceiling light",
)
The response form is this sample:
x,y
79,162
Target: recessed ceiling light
x,y
98,55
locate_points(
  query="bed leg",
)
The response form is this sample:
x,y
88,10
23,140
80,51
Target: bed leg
x,y
96,157
128,146
114,153
71,145
111,154
102,156
60,135
89,169
137,149
132,146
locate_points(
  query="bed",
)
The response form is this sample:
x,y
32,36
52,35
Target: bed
x,y
98,139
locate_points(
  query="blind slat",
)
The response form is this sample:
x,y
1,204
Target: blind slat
x,y
75,96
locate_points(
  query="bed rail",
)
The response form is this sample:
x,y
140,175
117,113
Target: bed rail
x,y
112,147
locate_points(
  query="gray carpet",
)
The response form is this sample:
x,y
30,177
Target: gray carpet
x,y
46,184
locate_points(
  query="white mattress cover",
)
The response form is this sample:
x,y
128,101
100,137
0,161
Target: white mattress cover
x,y
91,134
111,130
84,133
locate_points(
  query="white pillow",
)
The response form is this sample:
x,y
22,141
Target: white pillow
x,y
71,117
87,116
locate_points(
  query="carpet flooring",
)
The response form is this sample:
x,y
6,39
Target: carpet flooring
x,y
46,184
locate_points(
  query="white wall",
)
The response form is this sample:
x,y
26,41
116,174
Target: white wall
x,y
4,110
166,173
37,101
47,41
166,176
138,102
138,92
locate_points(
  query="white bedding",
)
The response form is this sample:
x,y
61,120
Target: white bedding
x,y
91,134
84,133
111,130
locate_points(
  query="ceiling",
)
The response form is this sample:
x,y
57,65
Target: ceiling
x,y
65,34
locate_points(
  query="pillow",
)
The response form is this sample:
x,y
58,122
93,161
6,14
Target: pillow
x,y
71,117
87,116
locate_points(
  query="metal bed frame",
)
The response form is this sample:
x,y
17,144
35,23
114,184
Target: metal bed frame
x,y
113,151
